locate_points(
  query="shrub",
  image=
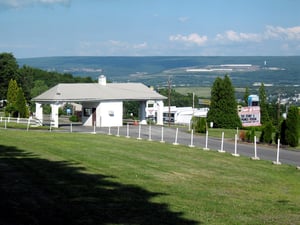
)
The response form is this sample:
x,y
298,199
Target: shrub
x,y
266,134
292,129
242,135
199,124
73,118
250,134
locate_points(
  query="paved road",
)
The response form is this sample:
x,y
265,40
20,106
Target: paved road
x,y
166,134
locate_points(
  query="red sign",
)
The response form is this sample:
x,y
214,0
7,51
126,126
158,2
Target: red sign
x,y
250,116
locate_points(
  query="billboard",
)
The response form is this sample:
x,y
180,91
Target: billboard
x,y
250,116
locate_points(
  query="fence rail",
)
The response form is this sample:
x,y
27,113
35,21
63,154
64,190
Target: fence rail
x,y
29,121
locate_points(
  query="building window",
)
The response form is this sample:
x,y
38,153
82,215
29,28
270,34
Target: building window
x,y
87,112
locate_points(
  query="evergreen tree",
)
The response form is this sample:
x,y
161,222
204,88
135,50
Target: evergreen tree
x,y
223,109
12,93
264,115
292,126
21,104
246,95
282,133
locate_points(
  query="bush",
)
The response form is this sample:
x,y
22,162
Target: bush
x,y
74,118
292,126
250,134
282,133
199,124
266,134
242,135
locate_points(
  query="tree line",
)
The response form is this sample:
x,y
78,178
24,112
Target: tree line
x,y
33,81
18,85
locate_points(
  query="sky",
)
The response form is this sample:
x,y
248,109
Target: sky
x,y
40,28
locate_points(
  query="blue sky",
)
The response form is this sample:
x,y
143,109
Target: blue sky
x,y
35,28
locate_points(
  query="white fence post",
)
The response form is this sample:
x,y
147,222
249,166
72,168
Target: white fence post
x,y
162,135
192,139
127,133
28,124
176,136
118,132
235,146
277,157
150,130
222,144
206,141
255,150
139,137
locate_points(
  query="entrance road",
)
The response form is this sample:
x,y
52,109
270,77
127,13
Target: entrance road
x,y
264,152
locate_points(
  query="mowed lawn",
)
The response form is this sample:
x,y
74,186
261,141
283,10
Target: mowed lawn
x,y
72,178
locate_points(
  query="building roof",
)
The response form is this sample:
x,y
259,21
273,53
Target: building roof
x,y
89,92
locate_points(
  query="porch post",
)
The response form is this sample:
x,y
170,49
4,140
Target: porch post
x,y
160,109
142,112
39,111
54,115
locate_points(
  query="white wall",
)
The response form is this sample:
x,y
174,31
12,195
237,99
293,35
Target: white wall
x,y
110,114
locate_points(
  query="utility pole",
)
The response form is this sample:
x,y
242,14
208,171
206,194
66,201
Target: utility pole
x,y
169,98
278,112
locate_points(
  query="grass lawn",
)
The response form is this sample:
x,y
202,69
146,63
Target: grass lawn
x,y
71,178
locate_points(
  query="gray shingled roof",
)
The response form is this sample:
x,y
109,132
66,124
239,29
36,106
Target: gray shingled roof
x,y
83,92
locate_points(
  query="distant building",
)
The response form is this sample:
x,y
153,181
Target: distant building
x,y
177,115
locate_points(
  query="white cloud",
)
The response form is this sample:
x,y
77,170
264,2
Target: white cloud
x,y
140,46
23,3
270,33
190,39
234,36
289,33
183,19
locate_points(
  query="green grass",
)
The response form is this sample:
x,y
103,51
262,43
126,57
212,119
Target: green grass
x,y
72,178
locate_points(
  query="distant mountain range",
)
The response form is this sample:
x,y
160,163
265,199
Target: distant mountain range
x,y
183,71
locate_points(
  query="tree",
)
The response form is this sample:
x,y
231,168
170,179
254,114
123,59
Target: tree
x,y
38,88
8,71
283,132
264,115
21,104
266,134
246,95
292,126
11,97
223,109
199,124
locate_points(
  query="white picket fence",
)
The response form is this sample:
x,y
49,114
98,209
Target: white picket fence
x,y
32,122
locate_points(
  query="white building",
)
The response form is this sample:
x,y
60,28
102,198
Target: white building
x,y
102,103
178,115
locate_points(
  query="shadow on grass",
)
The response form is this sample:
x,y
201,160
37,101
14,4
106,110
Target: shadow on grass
x,y
39,191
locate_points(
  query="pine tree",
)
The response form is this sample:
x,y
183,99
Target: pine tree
x,y
21,104
223,109
264,115
12,93
292,126
246,95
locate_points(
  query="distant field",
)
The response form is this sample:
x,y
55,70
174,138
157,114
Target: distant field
x,y
203,92
72,178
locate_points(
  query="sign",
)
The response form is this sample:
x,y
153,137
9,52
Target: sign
x,y
250,116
